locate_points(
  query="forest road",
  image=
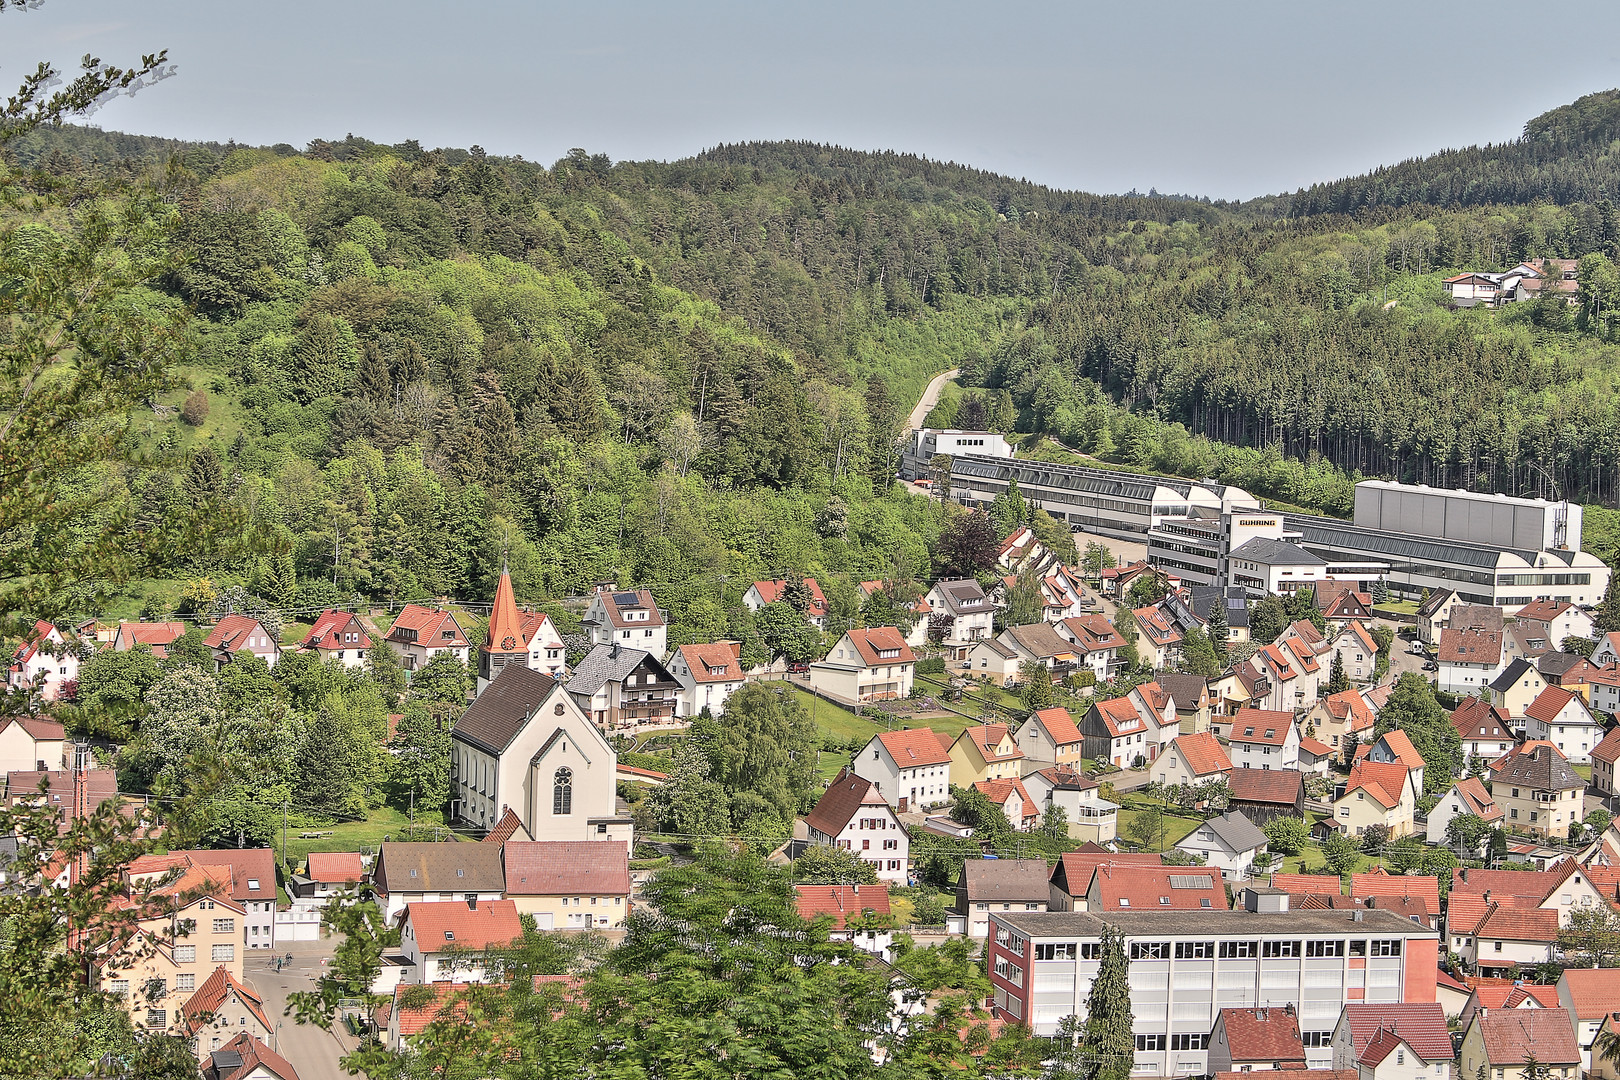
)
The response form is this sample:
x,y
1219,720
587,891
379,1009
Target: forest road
x,y
929,399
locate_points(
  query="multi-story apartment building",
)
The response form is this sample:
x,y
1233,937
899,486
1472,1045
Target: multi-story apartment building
x,y
1187,965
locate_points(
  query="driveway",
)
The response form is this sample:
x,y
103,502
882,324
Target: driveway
x,y
312,1051
1401,658
930,398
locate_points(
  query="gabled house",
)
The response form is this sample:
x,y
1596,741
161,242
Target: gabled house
x,y
1158,637
874,664
1354,646
1485,730
1556,620
1062,593
1379,883
761,593
1050,736
1341,720
854,815
247,875
1021,810
1603,689
1517,686
1263,565
1464,797
1155,705
416,873
157,636
911,769
1500,1042
445,940
990,659
421,632
241,635
985,752
988,885
1096,643
624,689
1604,755
1091,818
1134,887
1023,551
1071,876
1040,644
1115,732
916,610
524,745
1504,937
1229,843
1315,756
44,662
30,744
1434,613
970,613
220,1008
1534,784
1394,746
1607,653
1469,660
1191,759
708,674
1342,605
1393,1041
1283,687
846,905
327,874
1561,717
246,1058
568,884
626,617
1592,996
1263,739
1194,702
1377,793
1251,1040
338,637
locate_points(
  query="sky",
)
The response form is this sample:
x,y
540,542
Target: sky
x,y
1225,100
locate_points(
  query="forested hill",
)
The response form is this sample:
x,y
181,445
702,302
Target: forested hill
x,y
1565,156
691,374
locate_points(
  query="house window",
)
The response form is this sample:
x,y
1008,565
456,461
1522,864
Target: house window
x,y
185,954
223,953
562,791
119,987
1391,947
157,1018
187,981
224,926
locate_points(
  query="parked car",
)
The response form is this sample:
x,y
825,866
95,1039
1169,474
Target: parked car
x,y
798,669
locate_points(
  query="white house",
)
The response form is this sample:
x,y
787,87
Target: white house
x,y
971,612
1469,659
1561,717
761,593
1229,842
29,744
46,656
1263,739
407,874
627,617
1191,759
990,659
1557,620
420,633
1464,797
1051,737
874,664
1607,653
1091,818
445,941
1096,643
1354,646
854,815
338,637
1263,566
1408,1041
911,769
708,674
240,635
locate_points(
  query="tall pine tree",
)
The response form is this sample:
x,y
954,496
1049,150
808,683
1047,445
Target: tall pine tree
x,y
1110,1039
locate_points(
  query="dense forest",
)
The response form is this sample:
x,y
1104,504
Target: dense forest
x,y
409,364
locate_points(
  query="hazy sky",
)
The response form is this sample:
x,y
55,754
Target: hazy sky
x,y
1228,100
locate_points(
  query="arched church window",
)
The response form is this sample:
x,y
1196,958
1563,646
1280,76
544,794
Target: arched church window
x,y
562,792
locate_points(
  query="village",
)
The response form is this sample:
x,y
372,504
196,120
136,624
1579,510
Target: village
x,y
1335,828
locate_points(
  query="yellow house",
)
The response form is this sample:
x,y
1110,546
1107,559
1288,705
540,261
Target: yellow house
x,y
1377,793
985,752
1500,1043
173,952
569,884
1514,689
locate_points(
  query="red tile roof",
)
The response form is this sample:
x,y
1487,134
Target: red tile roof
x,y
1119,716
429,627
1377,883
1060,725
1476,800
1156,626
37,729
1608,749
919,746
1302,653
440,925
1282,787
1470,647
986,737
772,591
1263,727
875,640
212,995
1542,611
1350,705
233,632
714,663
413,1021
1382,780
1320,884
1477,718
328,631
555,867
998,791
1263,1035
640,600
1203,753
1294,1074
1512,1035
1512,994
1158,888
1517,924
158,635
335,866
1549,703
254,1056
842,902
1315,748
506,828
1593,992
1077,867
1421,1024
843,799
1402,748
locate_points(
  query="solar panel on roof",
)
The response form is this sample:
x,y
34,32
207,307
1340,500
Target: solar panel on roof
x,y
1191,881
225,1061
626,599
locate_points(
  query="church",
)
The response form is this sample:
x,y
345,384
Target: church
x,y
523,745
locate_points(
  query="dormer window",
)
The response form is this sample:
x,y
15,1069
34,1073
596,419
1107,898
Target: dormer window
x,y
449,935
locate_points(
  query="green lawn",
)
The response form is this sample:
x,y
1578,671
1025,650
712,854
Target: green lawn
x,y
840,723
351,835
1584,772
1396,607
1176,825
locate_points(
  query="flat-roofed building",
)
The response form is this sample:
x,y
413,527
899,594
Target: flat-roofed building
x,y
1187,965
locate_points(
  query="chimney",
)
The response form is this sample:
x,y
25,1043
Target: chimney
x,y
1357,915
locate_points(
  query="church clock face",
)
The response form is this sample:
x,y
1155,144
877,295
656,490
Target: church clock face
x,y
508,643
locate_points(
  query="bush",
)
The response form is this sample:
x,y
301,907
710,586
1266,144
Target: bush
x,y
195,410
931,665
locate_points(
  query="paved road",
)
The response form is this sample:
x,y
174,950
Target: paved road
x,y
930,398
312,1051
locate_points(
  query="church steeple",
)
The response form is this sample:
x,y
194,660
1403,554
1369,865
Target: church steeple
x,y
505,643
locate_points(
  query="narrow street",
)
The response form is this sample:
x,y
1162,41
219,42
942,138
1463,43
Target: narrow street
x,y
929,399
312,1051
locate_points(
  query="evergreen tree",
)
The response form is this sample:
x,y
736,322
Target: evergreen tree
x,y
1037,685
1110,1041
1608,613
1338,680
1198,656
1267,619
1008,510
1218,630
